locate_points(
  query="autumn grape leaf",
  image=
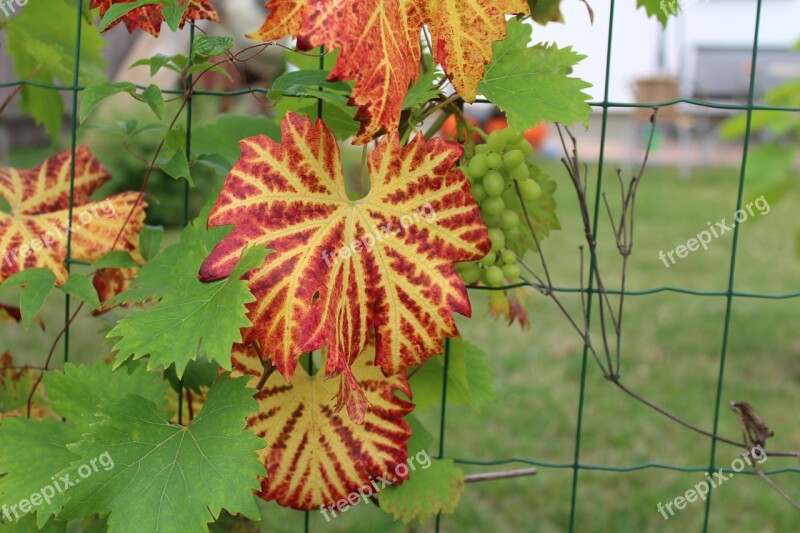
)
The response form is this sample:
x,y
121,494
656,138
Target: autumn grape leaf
x,y
31,452
167,477
315,454
193,319
469,378
533,84
16,383
78,391
380,45
149,17
428,492
418,219
34,233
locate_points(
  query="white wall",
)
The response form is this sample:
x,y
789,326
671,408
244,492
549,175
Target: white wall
x,y
635,37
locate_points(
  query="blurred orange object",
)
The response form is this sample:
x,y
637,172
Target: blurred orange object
x,y
536,135
493,124
449,129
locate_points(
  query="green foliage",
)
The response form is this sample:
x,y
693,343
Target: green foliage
x,y
31,452
79,286
427,492
532,84
36,285
193,318
150,239
94,94
78,391
168,477
119,10
469,378
41,42
208,46
222,136
116,259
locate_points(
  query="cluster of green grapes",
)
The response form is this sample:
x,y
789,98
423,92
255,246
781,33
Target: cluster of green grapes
x,y
493,171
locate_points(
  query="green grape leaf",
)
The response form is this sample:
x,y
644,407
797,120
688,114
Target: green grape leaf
x,y
150,238
428,492
223,135
156,63
81,288
175,165
533,84
208,46
167,477
97,92
36,285
176,266
469,378
173,12
78,391
41,42
194,319
116,259
28,525
424,90
660,9
421,438
154,99
31,453
341,121
198,374
544,11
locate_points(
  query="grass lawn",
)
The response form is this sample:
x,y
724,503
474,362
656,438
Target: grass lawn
x,y
671,351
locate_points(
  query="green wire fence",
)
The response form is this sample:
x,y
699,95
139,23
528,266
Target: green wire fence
x,y
730,295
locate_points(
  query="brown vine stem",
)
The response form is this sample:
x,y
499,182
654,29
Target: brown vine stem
x,y
506,474
17,89
776,487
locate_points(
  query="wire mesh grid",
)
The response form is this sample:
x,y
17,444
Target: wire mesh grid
x,y
730,295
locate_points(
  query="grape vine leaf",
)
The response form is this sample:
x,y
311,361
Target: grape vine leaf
x,y
469,378
192,320
426,493
149,17
80,287
34,233
533,84
660,9
78,391
315,455
36,285
28,525
31,452
167,477
380,45
16,383
315,290
42,47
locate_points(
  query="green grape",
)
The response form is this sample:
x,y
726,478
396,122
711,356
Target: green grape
x,y
508,257
526,148
530,190
491,221
511,271
493,205
520,172
481,149
496,141
512,159
495,160
494,276
470,273
493,183
488,259
512,235
508,219
478,166
511,136
478,192
497,238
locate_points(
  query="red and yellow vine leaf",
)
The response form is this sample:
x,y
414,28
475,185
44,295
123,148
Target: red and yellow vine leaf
x,y
10,313
315,455
34,233
403,237
380,45
150,17
45,189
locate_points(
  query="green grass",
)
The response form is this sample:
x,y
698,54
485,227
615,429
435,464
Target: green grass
x,y
670,353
